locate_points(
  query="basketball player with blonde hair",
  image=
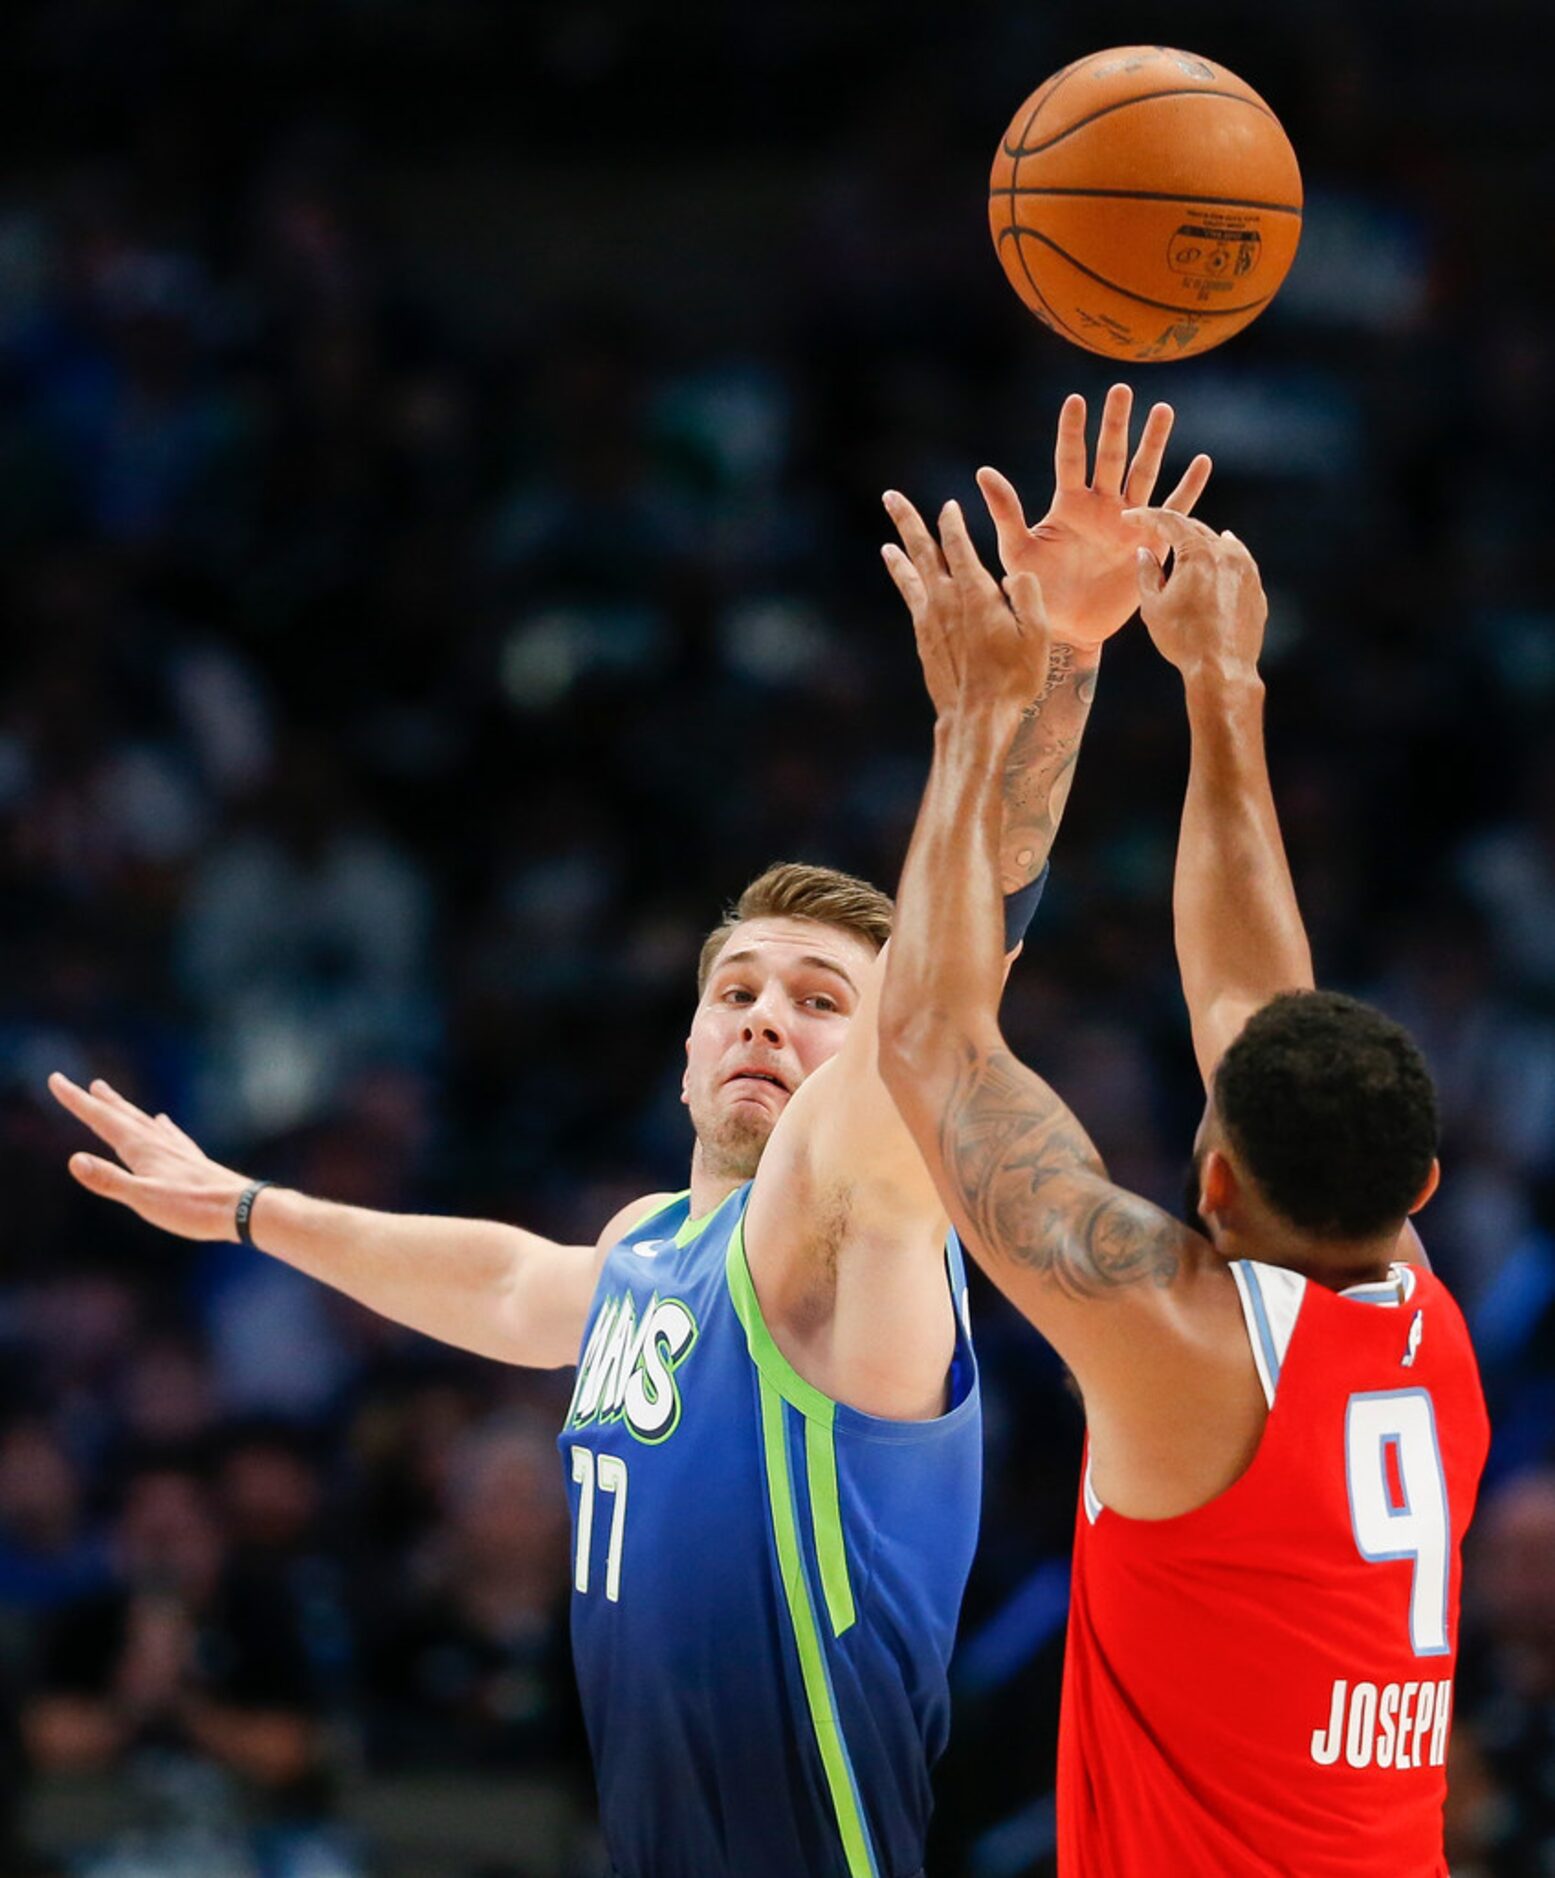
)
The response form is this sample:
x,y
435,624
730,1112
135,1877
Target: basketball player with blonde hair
x,y
773,1443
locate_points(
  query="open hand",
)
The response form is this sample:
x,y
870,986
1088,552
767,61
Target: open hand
x,y
1209,613
978,643
165,1177
1083,550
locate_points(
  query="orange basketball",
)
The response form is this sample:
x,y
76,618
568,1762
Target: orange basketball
x,y
1146,203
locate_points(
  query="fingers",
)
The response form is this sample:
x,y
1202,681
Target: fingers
x,y
1146,467
922,548
905,575
1152,576
174,1133
1241,553
961,557
1112,441
105,1092
1194,480
66,1093
171,1205
1024,592
1178,532
1004,511
106,1179
1069,449
107,1122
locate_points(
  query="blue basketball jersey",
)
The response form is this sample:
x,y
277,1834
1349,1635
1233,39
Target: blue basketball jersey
x,y
766,1582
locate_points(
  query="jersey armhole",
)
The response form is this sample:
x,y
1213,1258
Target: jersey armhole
x,y
813,1403
1271,1300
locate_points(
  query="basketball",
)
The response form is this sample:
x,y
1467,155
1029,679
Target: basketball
x,y
1145,203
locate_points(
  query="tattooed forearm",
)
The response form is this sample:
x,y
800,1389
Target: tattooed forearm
x,y
1039,769
1035,1189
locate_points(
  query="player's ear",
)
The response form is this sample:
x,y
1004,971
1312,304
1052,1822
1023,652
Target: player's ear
x,y
1217,1184
1432,1182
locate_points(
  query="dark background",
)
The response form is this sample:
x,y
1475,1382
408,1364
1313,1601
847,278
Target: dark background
x,y
440,451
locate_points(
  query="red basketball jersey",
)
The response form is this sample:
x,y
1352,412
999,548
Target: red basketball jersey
x,y
1264,1686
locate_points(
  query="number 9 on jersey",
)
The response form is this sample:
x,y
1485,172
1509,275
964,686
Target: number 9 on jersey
x,y
1398,1501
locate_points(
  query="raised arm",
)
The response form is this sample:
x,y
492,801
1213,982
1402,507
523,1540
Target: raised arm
x,y
479,1285
1082,551
1143,1310
875,1286
1020,1176
1240,936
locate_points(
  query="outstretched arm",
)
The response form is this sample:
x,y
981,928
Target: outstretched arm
x,y
1020,1176
1143,1310
1082,551
479,1285
1240,937
843,1153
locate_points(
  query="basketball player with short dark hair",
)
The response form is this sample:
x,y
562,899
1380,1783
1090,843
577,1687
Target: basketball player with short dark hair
x,y
1285,1424
772,1448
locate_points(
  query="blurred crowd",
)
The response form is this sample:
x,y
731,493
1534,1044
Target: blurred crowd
x,y
414,633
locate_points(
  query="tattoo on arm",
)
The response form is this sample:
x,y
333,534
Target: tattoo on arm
x,y
1040,767
1035,1189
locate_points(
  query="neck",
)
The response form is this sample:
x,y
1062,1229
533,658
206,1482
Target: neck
x,y
711,1184
1330,1263
1369,1270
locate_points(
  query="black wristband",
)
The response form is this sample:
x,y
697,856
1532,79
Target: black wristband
x,y
244,1211
1019,907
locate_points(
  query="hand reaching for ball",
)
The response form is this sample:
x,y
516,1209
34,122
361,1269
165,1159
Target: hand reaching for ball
x,y
1083,551
979,643
1207,617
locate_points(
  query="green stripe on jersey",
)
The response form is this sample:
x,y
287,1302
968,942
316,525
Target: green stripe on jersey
x,y
765,1354
812,1664
820,1414
826,1513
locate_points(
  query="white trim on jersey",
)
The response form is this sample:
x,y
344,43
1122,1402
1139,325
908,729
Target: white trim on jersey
x,y
1271,1299
1093,1507
1397,1288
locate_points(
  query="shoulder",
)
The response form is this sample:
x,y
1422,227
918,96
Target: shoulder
x,y
632,1216
1175,1397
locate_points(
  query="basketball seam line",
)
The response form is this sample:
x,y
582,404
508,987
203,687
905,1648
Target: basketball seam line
x,y
1182,91
1054,318
1045,96
1146,195
1128,293
1045,310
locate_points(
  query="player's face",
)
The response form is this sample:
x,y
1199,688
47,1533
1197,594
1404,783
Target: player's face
x,y
778,1003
